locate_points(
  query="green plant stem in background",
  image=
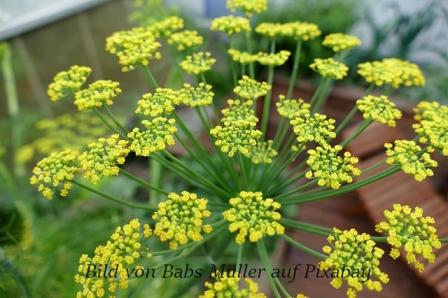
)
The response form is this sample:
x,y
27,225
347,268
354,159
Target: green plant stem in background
x,y
239,254
112,198
322,96
304,248
110,126
362,126
267,100
317,92
250,50
114,120
262,252
152,80
143,182
13,107
232,63
243,170
295,68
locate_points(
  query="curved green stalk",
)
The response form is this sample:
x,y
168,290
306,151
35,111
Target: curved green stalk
x,y
143,182
267,264
295,68
267,99
304,248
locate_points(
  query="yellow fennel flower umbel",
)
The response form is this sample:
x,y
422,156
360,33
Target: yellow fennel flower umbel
x,y
251,89
235,138
161,102
313,128
379,108
341,42
249,7
98,94
186,39
55,172
273,30
292,108
68,82
412,231
253,217
202,95
393,72
302,30
230,24
411,158
239,113
157,136
242,57
103,157
329,168
353,252
180,219
272,60
330,68
432,125
228,284
121,251
166,26
198,63
135,47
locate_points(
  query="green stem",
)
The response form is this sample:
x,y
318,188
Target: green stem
x,y
266,263
267,100
249,49
319,90
240,254
295,68
115,120
150,77
112,198
362,126
143,182
302,187
322,97
304,248
110,126
243,169
307,227
155,173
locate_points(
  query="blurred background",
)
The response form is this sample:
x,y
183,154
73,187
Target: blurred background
x,y
40,241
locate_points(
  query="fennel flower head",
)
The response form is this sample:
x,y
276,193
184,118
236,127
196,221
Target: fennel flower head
x,y
242,57
292,108
330,68
123,249
239,112
379,108
103,157
198,63
228,284
262,152
68,82
273,30
341,42
180,219
411,158
98,94
231,24
166,27
272,60
135,47
249,7
157,136
357,253
185,39
331,169
432,125
251,89
253,217
55,172
313,128
201,95
161,102
302,30
409,229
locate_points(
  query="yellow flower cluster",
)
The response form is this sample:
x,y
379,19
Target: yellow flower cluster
x,y
411,230
313,128
228,284
238,133
329,168
242,57
123,248
356,253
166,26
55,171
276,59
273,30
253,217
202,95
67,82
157,136
185,39
251,89
262,152
198,63
230,24
249,7
341,42
330,68
412,159
135,47
302,30
99,93
162,102
103,157
181,218
292,108
392,71
68,131
432,125
379,108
